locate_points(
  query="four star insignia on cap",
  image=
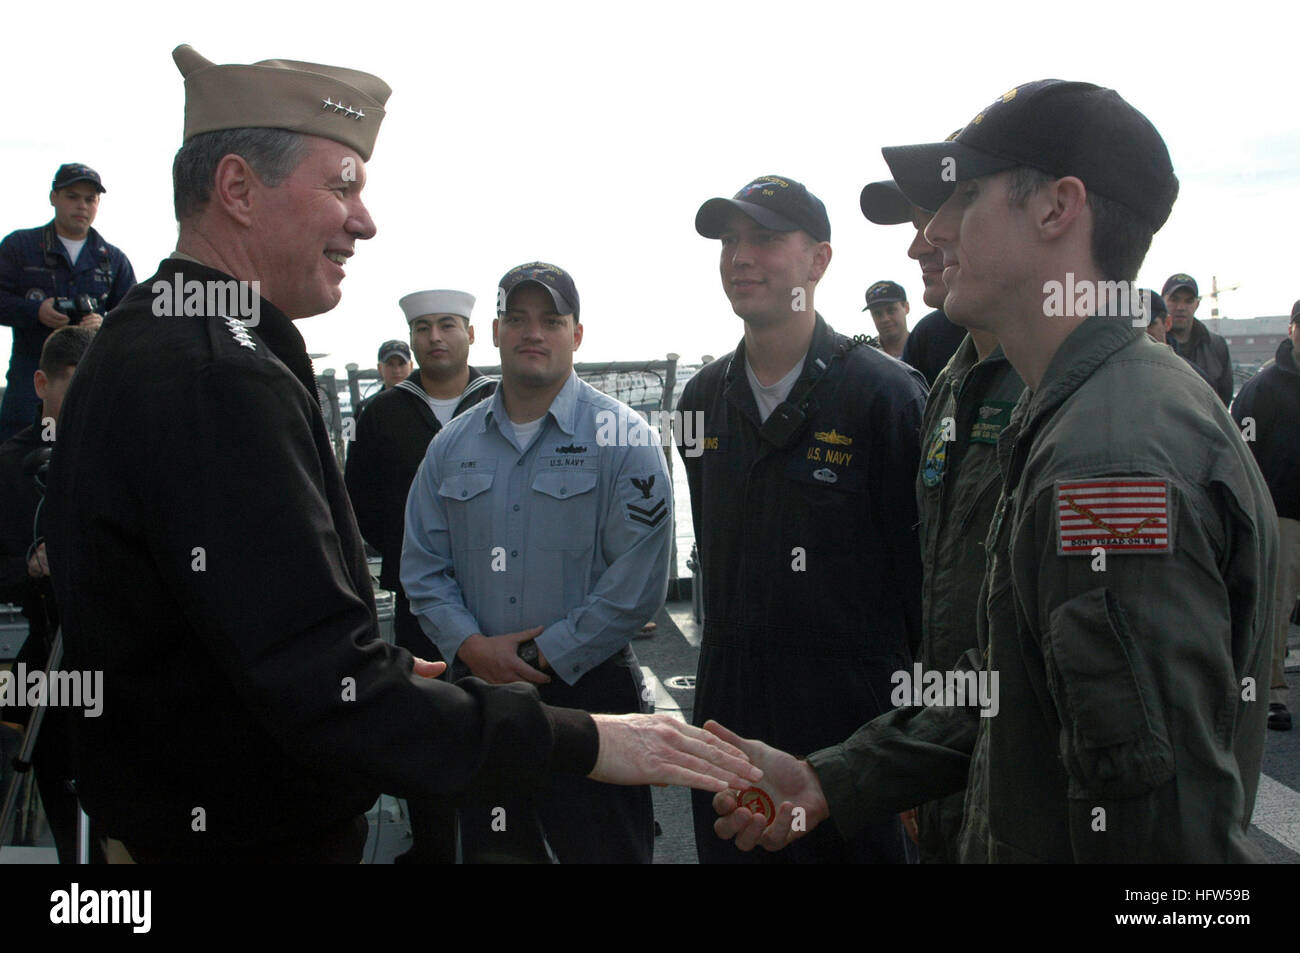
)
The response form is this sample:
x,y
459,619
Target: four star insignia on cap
x,y
240,333
338,107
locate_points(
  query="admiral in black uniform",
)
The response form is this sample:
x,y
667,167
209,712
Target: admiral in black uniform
x,y
203,548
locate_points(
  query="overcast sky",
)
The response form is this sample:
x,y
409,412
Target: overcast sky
x,y
588,134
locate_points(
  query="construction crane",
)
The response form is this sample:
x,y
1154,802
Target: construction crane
x,y
1215,291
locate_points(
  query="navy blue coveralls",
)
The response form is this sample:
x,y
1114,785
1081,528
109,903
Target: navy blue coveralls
x,y
34,266
812,568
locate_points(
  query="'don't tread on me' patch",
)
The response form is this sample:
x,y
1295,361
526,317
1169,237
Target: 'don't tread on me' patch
x,y
1121,516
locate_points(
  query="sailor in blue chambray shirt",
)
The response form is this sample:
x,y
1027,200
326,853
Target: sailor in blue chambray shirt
x,y
565,533
538,534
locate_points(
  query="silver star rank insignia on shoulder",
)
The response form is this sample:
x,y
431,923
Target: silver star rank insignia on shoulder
x,y
240,333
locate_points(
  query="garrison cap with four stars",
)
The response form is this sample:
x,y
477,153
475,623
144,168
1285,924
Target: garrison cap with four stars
x,y
1058,127
344,105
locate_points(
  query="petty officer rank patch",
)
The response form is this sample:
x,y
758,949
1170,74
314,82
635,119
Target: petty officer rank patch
x,y
991,417
1121,516
644,501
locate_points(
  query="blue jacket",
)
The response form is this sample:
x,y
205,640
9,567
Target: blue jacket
x,y
34,266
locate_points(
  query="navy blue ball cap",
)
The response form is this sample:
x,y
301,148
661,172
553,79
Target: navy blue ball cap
x,y
884,292
1157,309
554,279
1058,127
1181,280
885,204
389,348
774,202
71,172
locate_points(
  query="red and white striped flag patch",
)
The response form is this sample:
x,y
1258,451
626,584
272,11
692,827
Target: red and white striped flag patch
x,y
1121,516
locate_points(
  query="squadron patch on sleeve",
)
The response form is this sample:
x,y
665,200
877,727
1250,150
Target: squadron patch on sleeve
x,y
648,505
1121,516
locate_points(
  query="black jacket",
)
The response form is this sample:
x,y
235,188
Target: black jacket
x,y
207,562
1208,353
21,500
391,440
1272,399
931,344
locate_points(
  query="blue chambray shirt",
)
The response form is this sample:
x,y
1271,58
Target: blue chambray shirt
x,y
571,534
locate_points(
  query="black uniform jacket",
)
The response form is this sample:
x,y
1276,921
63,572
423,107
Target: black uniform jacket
x,y
1208,353
1272,400
21,500
932,344
207,561
392,438
812,571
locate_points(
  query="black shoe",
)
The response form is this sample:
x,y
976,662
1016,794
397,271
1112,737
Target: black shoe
x,y
1279,719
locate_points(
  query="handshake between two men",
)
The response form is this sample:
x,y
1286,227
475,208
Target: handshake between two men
x,y
655,749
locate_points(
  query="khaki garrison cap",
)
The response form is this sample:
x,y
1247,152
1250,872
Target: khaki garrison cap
x,y
341,104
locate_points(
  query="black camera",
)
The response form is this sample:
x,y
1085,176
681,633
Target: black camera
x,y
78,307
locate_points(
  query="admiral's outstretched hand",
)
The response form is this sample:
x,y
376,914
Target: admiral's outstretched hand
x,y
800,804
657,749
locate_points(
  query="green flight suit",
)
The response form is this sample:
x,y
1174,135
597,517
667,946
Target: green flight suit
x,y
957,490
1132,698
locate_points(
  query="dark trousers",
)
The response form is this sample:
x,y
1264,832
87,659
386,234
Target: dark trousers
x,y
343,842
573,820
433,820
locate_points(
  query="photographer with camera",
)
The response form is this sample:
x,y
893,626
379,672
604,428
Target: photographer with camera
x,y
58,274
25,571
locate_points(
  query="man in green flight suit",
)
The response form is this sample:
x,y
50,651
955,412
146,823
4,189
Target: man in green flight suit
x,y
1128,727
957,488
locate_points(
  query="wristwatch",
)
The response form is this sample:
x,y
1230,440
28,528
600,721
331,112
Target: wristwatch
x,y
529,653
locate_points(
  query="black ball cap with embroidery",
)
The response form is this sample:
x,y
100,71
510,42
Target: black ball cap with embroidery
x,y
389,348
1181,280
884,292
71,172
774,202
556,281
1061,128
